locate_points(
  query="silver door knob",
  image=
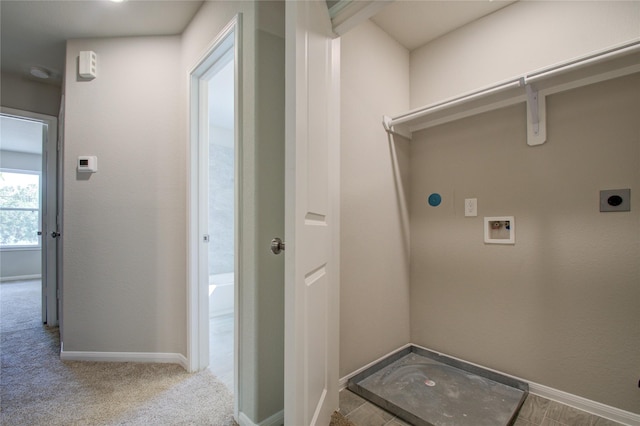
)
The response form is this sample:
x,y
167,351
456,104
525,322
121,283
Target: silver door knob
x,y
277,245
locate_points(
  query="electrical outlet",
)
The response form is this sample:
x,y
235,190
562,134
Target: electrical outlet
x,y
471,207
615,200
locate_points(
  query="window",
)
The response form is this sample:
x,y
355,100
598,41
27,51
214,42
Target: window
x,y
19,209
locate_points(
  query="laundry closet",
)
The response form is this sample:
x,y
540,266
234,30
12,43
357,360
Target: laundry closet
x,y
556,305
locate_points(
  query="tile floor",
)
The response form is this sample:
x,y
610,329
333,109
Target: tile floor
x,y
536,411
221,348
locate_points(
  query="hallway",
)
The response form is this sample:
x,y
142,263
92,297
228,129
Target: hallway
x,y
37,388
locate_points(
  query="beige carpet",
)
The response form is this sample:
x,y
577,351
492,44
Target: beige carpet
x,y
36,388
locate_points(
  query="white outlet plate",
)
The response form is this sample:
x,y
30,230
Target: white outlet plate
x,y
470,207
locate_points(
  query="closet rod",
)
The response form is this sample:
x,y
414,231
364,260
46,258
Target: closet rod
x,y
455,101
579,63
622,50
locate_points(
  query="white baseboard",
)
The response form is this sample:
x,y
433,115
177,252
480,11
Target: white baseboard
x,y
275,420
153,357
21,278
593,407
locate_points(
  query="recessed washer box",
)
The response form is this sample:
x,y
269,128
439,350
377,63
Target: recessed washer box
x,y
615,200
500,230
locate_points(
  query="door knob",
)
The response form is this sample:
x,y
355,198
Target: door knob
x,y
39,232
277,245
55,234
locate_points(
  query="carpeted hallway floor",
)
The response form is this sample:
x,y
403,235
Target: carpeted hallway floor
x,y
36,388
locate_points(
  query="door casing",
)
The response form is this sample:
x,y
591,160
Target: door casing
x,y
198,281
51,210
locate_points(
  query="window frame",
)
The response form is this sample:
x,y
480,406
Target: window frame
x,y
37,246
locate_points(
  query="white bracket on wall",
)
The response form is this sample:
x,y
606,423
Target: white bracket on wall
x,y
613,62
536,117
395,130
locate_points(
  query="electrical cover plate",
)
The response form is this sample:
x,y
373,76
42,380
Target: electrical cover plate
x,y
615,200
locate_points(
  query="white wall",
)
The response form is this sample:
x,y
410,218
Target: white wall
x,y
555,308
261,285
522,37
267,214
21,263
374,295
28,95
559,307
124,227
221,199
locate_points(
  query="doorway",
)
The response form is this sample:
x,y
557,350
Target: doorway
x,y
30,168
214,235
221,216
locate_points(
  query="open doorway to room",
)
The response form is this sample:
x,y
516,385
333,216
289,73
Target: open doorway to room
x,y
221,206
29,214
214,233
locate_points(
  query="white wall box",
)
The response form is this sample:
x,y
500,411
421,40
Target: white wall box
x,y
87,164
500,230
87,64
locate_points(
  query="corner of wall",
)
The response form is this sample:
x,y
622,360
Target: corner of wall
x,y
374,294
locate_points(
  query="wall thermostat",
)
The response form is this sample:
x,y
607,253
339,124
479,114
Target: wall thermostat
x,y
87,164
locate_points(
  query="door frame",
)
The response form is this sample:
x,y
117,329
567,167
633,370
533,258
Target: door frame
x,y
197,250
51,217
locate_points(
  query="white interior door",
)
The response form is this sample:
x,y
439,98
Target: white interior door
x,y
311,215
51,222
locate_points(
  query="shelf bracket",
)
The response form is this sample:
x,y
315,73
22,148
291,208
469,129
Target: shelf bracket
x,y
395,130
536,117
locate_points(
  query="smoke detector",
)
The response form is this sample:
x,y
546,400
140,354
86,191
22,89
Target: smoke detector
x,y
40,72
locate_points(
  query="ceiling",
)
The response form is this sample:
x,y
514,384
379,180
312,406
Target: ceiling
x,y
415,23
34,33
